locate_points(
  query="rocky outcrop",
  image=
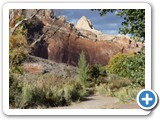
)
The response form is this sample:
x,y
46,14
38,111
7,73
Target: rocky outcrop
x,y
36,65
63,42
85,26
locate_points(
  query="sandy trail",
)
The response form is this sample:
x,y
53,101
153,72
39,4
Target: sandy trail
x,y
100,102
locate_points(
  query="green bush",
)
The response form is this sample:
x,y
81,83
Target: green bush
x,y
17,51
95,71
131,66
83,69
89,75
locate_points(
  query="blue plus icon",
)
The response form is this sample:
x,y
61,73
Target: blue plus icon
x,y
147,99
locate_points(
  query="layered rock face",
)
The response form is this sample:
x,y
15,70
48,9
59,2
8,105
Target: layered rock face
x,y
63,42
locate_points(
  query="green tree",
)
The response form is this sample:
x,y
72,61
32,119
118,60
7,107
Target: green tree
x,y
131,66
134,21
83,69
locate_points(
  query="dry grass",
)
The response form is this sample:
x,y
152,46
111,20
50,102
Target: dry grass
x,y
47,90
118,88
117,84
126,94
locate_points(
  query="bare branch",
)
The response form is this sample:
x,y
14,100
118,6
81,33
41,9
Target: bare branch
x,y
19,23
23,21
38,40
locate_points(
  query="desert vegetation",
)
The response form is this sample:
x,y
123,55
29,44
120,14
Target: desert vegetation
x,y
37,83
44,91
123,77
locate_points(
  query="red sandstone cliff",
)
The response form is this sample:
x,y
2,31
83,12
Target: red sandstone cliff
x,y
63,43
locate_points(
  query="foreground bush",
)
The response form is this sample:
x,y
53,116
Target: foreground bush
x,y
15,90
131,66
17,54
47,90
96,74
17,51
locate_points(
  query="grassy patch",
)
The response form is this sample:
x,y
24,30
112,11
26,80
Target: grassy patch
x,y
120,89
103,89
126,94
47,91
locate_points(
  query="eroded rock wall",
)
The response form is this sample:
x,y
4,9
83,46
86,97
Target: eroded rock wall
x,y
62,42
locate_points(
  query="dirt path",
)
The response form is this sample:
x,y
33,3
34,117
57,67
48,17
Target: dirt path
x,y
100,102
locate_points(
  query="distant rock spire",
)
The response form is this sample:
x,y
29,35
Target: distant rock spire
x,y
84,23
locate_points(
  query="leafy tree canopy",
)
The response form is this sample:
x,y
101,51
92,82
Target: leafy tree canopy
x,y
134,21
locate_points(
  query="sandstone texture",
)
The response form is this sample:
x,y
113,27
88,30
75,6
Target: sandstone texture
x,y
63,42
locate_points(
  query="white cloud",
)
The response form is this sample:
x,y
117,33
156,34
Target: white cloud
x,y
112,24
110,31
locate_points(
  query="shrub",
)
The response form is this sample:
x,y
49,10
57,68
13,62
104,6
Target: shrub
x,y
131,66
83,69
119,83
97,70
17,46
127,94
94,72
110,87
123,92
73,91
46,90
17,54
27,94
15,90
103,89
97,75
17,51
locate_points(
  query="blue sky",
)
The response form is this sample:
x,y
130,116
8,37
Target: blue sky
x,y
108,24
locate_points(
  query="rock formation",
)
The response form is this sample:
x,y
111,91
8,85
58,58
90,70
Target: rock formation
x,y
84,23
85,27
63,42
